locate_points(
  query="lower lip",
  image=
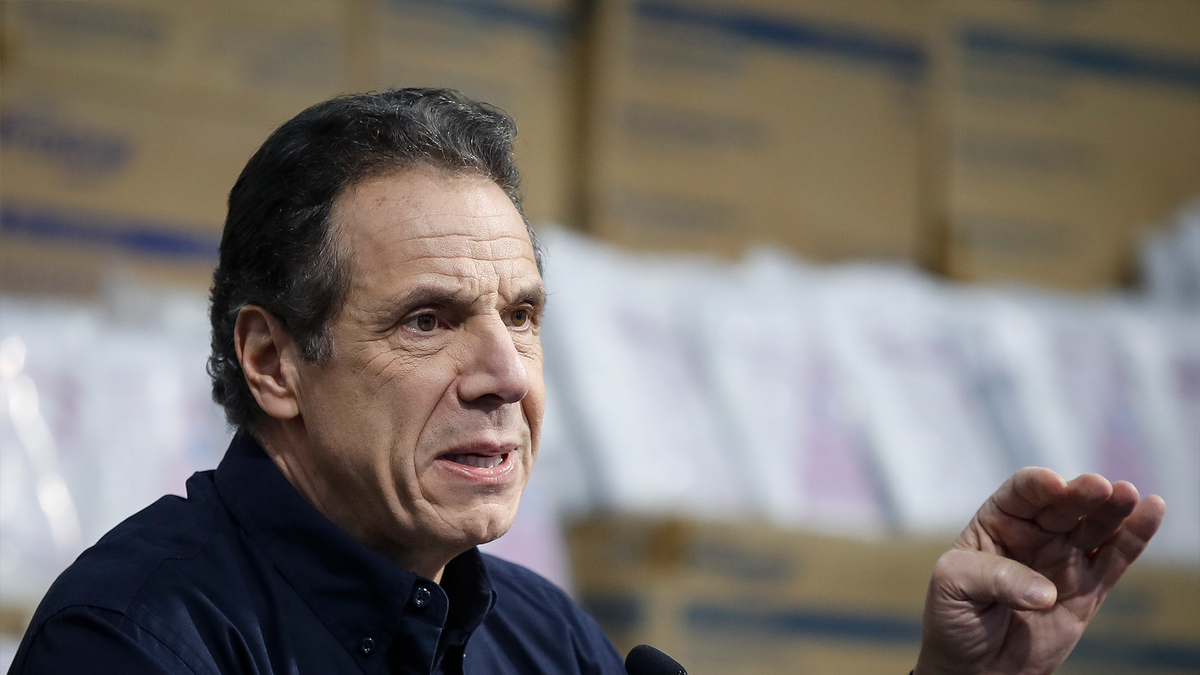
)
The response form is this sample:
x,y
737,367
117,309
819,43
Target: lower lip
x,y
496,474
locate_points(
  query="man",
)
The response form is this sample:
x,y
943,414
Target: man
x,y
375,317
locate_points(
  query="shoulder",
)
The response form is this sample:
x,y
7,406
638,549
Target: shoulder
x,y
111,573
123,592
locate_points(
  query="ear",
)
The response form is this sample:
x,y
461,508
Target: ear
x,y
267,356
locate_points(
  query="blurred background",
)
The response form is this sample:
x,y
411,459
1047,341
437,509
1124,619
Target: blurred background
x,y
823,273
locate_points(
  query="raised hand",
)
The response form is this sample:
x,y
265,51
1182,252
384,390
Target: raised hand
x,y
1019,586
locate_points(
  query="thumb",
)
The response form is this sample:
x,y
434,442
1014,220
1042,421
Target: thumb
x,y
986,578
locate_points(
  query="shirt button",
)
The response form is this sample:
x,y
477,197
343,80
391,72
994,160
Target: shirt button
x,y
422,597
366,646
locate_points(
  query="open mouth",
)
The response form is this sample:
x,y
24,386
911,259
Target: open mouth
x,y
478,461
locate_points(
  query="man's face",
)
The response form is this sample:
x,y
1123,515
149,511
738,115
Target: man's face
x,y
423,427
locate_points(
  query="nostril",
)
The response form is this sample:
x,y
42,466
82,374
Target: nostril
x,y
486,403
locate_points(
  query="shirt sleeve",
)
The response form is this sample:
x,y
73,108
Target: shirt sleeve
x,y
97,641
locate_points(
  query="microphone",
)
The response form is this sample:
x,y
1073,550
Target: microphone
x,y
646,660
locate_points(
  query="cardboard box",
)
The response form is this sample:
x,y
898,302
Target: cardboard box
x,y
515,54
712,125
747,598
742,598
125,124
1061,132
168,100
262,58
88,184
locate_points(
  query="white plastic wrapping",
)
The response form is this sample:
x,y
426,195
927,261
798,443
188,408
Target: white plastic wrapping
x,y
893,335
621,332
862,398
1162,349
797,428
101,414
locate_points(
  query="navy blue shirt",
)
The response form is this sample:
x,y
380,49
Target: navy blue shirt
x,y
245,576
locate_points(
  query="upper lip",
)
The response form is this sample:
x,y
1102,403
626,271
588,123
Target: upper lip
x,y
484,448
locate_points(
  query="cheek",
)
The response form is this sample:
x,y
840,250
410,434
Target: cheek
x,y
379,407
421,406
428,384
534,404
399,375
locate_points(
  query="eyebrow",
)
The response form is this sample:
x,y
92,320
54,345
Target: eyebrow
x,y
534,296
427,295
434,295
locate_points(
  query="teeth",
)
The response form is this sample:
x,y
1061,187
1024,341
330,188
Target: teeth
x,y
478,461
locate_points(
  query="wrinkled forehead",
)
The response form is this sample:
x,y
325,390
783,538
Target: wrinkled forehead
x,y
426,221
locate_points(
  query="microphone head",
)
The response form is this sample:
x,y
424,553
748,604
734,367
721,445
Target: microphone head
x,y
646,660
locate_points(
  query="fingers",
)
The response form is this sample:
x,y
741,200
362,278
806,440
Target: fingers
x,y
1084,495
1036,506
1105,518
1127,543
1042,496
1028,492
985,578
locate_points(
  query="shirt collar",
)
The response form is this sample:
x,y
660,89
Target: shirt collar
x,y
366,601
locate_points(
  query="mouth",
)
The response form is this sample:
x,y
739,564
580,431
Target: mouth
x,y
476,460
482,463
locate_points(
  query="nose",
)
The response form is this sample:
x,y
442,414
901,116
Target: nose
x,y
494,369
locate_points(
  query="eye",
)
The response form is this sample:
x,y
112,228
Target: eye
x,y
424,322
519,317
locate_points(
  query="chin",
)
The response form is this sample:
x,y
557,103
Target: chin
x,y
488,523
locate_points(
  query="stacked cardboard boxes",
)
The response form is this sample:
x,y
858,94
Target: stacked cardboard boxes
x,y
1057,130
125,123
727,599
90,183
736,598
271,57
516,54
1061,131
715,124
